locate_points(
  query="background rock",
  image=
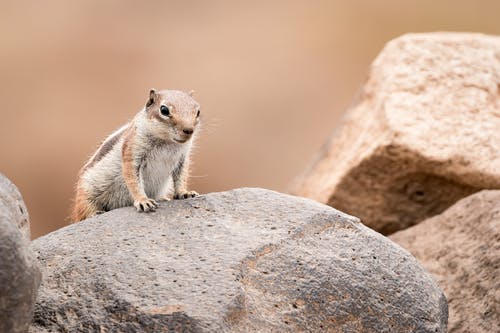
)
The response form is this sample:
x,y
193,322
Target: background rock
x,y
424,134
461,248
19,273
13,207
247,260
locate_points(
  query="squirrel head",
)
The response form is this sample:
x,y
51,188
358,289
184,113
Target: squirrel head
x,y
173,115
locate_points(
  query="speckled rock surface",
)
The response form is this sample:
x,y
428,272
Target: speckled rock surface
x,y
424,134
14,209
461,248
19,273
247,260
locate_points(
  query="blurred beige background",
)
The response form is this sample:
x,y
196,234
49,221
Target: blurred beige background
x,y
273,79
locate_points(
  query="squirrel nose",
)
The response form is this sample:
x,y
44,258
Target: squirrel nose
x,y
188,131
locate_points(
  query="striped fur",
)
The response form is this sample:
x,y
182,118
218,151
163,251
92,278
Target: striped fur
x,y
145,160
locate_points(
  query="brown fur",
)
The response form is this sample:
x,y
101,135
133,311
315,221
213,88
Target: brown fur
x,y
82,208
129,169
134,142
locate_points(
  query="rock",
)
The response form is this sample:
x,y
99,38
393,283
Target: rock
x,y
461,248
19,273
13,206
247,260
424,134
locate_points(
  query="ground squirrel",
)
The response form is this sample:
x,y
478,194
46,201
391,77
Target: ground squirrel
x,y
142,161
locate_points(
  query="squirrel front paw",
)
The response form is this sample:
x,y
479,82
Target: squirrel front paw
x,y
145,205
185,195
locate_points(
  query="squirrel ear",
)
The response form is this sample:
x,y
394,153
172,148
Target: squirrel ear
x,y
191,93
152,97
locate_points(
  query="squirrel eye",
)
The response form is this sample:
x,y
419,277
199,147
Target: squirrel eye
x,y
198,114
164,110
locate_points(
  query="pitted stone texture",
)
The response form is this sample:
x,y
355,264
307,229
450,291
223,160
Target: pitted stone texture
x,y
247,260
461,248
424,134
19,273
13,207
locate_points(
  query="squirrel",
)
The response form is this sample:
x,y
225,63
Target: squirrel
x,y
142,161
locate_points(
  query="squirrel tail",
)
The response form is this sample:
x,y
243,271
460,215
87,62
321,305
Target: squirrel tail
x,y
82,208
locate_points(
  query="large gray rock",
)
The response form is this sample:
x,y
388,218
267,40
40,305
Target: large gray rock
x,y
247,260
426,133
19,273
461,248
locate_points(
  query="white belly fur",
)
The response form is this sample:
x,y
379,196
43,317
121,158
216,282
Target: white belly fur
x,y
156,172
104,181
